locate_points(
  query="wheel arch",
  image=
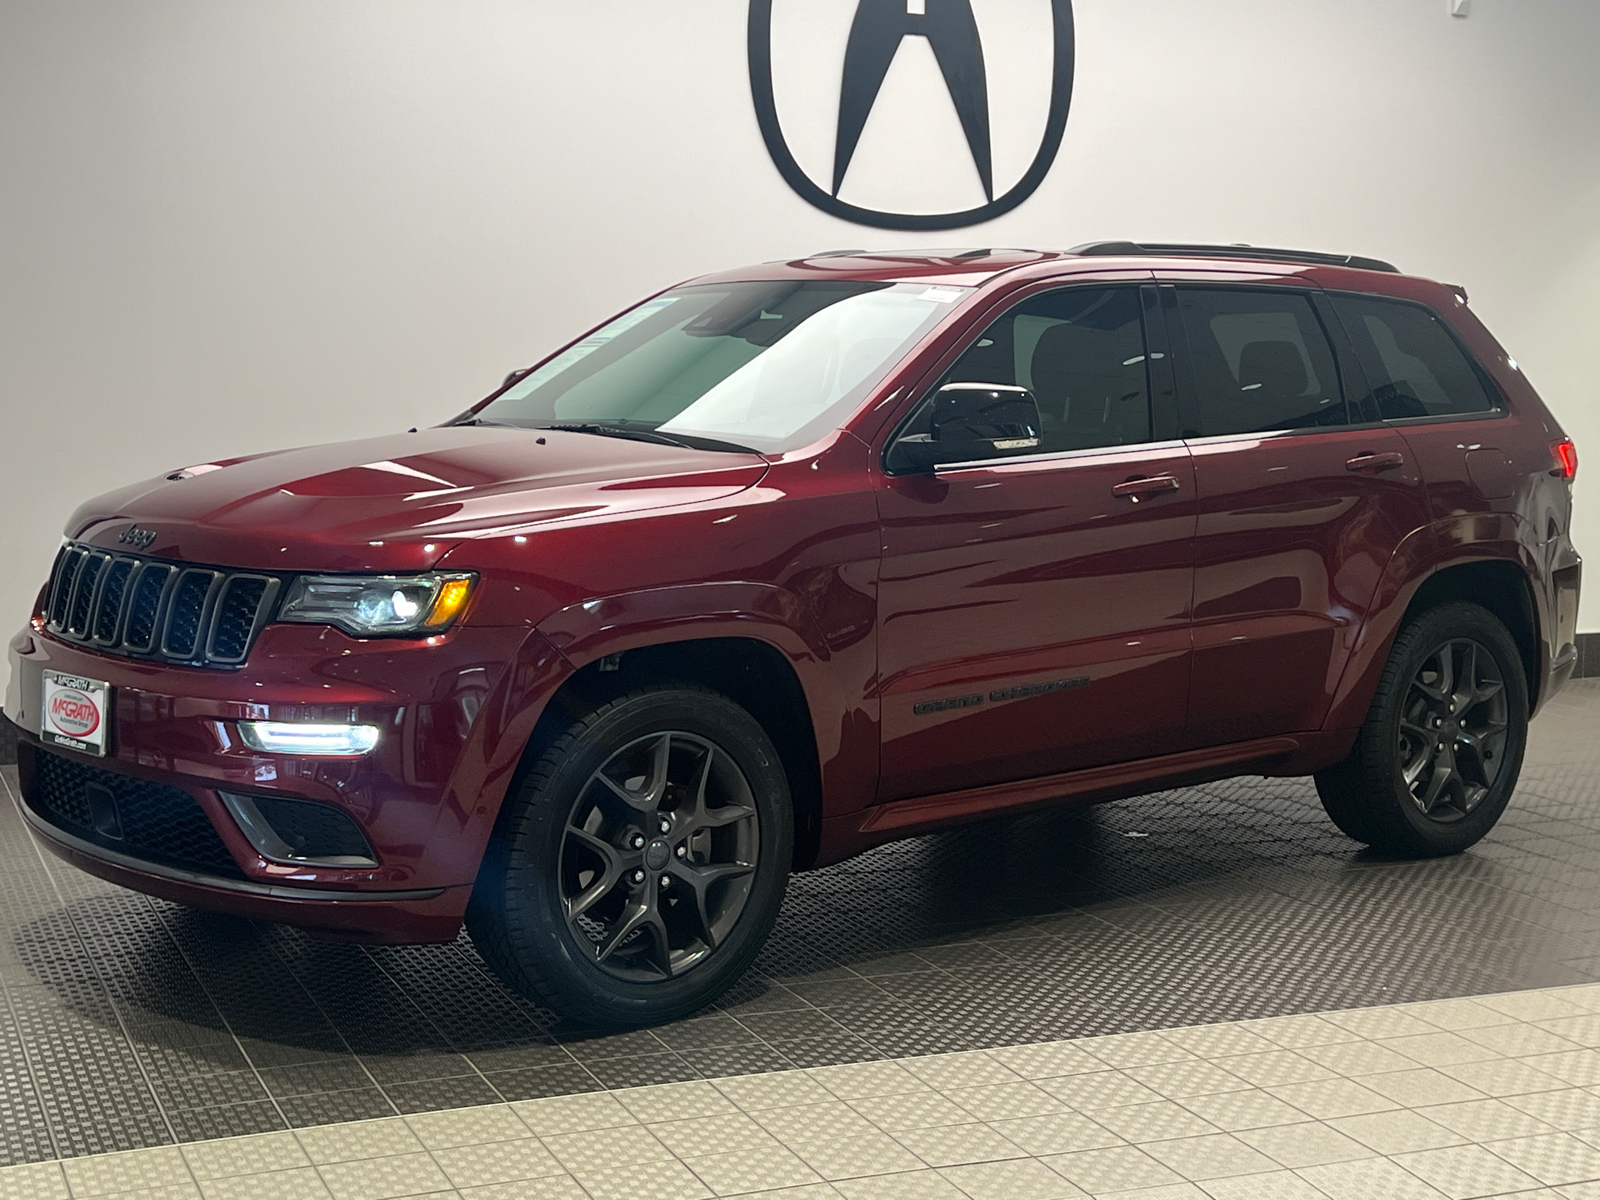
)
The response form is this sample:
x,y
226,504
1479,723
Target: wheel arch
x,y
1500,586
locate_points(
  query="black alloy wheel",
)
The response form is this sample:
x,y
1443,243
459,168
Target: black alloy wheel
x,y
640,860
658,856
1437,759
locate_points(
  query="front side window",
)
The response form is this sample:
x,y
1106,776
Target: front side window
x,y
768,366
1261,362
1078,355
1413,365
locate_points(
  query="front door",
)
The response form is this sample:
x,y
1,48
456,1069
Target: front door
x,y
1035,601
1301,505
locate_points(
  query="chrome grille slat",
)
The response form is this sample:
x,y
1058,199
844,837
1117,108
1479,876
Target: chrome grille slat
x,y
156,609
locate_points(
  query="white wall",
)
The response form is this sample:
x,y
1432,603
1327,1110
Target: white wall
x,y
231,225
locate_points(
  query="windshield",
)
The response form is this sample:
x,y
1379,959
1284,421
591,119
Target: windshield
x,y
768,366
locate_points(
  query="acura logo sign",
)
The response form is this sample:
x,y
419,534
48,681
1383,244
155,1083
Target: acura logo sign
x,y
875,37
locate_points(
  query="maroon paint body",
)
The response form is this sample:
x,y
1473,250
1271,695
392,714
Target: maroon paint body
x,y
1237,623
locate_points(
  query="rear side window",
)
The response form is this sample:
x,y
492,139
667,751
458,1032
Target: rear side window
x,y
1413,364
1260,362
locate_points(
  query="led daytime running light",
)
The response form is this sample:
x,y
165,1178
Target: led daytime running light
x,y
295,737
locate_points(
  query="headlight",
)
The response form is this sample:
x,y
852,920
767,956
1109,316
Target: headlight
x,y
367,605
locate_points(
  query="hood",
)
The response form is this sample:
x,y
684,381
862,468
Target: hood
x,y
399,503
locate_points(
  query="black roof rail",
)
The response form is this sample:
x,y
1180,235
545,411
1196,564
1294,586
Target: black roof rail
x,y
1251,253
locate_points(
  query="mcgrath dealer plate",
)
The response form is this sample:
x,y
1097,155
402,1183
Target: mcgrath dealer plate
x,y
76,712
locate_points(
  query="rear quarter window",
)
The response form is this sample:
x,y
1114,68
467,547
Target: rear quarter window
x,y
1414,365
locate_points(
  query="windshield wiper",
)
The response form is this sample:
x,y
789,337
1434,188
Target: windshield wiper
x,y
637,435
481,421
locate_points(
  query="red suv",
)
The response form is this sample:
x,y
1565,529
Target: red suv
x,y
791,561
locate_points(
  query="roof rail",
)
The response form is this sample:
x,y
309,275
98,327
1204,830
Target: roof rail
x,y
1251,253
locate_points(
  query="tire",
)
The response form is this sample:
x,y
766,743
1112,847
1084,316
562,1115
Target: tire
x,y
1436,762
661,821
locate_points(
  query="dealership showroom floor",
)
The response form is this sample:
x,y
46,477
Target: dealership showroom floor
x,y
1204,993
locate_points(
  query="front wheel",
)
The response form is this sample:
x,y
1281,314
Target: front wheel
x,y
641,863
1439,755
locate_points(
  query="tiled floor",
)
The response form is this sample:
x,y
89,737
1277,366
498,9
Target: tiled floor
x,y
126,1022
1496,1096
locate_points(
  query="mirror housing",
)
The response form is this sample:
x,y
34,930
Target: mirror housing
x,y
970,421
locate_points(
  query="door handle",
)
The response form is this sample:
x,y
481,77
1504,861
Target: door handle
x,y
1376,462
1144,485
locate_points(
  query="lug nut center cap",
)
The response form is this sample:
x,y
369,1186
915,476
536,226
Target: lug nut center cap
x,y
657,854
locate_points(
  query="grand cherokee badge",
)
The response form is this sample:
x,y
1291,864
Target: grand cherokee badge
x,y
876,34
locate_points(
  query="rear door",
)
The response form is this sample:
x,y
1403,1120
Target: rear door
x,y
1035,604
1301,505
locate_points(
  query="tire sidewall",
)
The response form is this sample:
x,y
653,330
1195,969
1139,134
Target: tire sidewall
x,y
548,949
1432,630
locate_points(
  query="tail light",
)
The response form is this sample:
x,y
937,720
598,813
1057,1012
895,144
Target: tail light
x,y
1566,458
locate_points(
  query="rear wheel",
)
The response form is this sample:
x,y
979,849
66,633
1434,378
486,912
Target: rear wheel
x,y
642,861
1439,755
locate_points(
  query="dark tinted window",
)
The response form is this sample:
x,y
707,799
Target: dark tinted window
x,y
1413,365
1260,362
1081,353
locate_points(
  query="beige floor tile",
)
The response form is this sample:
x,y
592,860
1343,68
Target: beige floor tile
x,y
674,1101
1215,1156
1325,1098
1249,1109
297,1183
669,1180
910,1110
1580,1068
384,1178
945,1072
1461,1172
952,1145
1292,1033
1047,1060
1308,1144
1414,1089
814,1122
601,1149
781,1089
573,1114
1536,1004
243,1155
1134,1049
1358,1058
1100,1090
103,1174
1270,1185
1503,1077
1375,1023
910,1185
1058,1133
1569,1109
1274,1068
33,1181
1457,1015
1012,1179
1575,1191
1166,1191
1369,1179
358,1140
811,1191
497,1162
467,1126
752,1170
1520,1040
1552,1158
1485,1120
1188,1077
1438,1049
864,1154
552,1187
1119,1168
1396,1132
1581,1031
722,1134
853,1081
1153,1122
1584,995
1218,1041
1006,1101
170,1191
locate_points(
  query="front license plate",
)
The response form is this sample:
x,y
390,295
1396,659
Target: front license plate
x,y
76,712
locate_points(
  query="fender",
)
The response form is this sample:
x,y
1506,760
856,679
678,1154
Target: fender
x,y
1422,554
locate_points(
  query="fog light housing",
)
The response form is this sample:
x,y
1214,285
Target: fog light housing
x,y
300,832
299,737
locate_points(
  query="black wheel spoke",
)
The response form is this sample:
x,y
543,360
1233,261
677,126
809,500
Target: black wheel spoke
x,y
1452,729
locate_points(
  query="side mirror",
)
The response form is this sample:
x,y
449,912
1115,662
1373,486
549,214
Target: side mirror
x,y
971,421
